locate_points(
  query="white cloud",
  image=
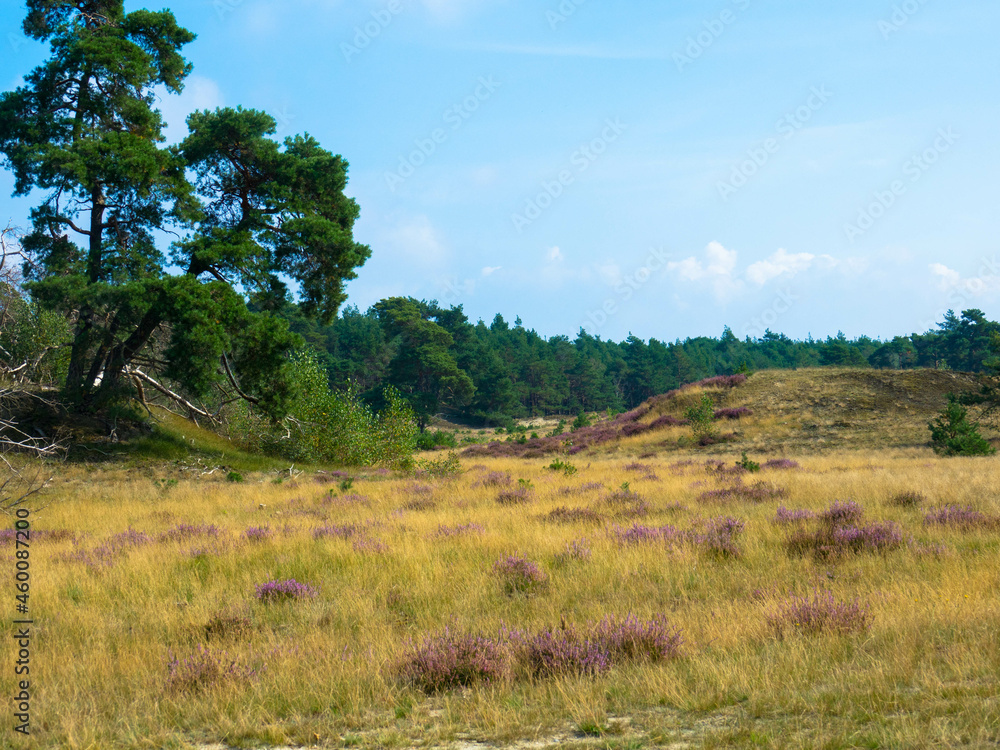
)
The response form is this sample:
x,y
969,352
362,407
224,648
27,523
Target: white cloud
x,y
554,254
950,280
717,268
490,270
781,263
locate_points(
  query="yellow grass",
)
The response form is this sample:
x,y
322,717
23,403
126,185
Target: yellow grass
x,y
926,674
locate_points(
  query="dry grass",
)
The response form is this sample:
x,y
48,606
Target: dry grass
x,y
322,670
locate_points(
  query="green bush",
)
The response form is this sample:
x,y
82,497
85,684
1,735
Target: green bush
x,y
702,419
581,421
952,434
429,441
327,426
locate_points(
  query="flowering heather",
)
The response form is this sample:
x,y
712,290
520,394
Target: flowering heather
x,y
128,539
640,534
448,661
631,429
842,513
343,531
257,534
737,413
563,651
205,668
780,463
520,575
330,477
496,479
820,614
873,537
562,514
667,420
578,549
965,518
444,532
370,546
348,500
276,591
758,492
415,488
636,466
185,531
719,538
514,496
629,639
797,515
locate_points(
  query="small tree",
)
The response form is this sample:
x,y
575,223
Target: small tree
x,y
702,418
953,435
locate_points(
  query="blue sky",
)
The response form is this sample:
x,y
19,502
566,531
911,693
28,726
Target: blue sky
x,y
661,169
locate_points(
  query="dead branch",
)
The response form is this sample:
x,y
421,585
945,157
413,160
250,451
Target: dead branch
x,y
175,397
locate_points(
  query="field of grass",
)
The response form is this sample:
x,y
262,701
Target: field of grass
x,y
839,598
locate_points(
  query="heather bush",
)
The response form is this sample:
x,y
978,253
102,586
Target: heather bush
x,y
840,533
204,669
277,591
821,613
519,575
719,537
257,534
629,639
578,549
495,479
625,503
641,534
185,531
515,496
841,513
447,661
445,532
562,514
667,420
786,516
759,492
367,545
563,651
965,518
780,463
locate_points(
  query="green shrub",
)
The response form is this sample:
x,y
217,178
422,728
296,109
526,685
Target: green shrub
x,y
702,419
327,426
565,467
581,421
952,434
428,441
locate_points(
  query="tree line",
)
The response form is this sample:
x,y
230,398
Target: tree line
x,y
440,361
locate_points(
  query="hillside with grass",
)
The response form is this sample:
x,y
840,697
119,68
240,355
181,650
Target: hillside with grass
x,y
771,413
